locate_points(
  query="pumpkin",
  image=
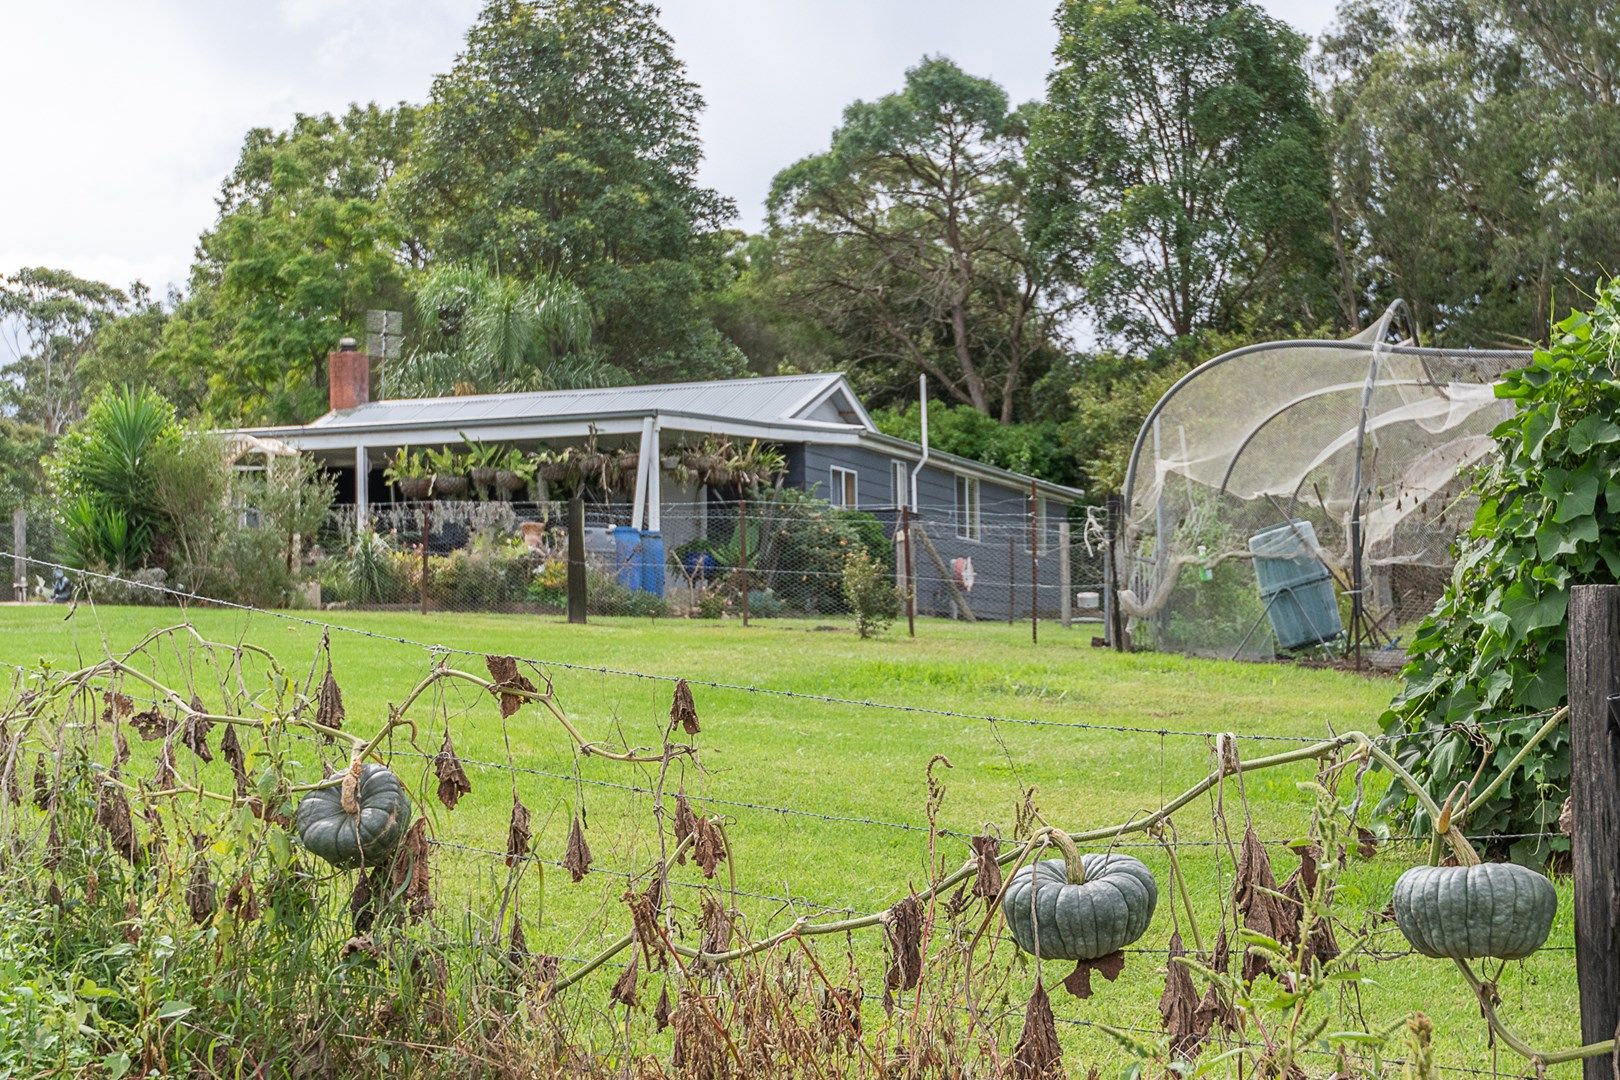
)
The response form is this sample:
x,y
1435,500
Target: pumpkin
x,y
366,836
1470,912
1080,907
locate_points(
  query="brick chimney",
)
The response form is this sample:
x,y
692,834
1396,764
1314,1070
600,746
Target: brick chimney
x,y
348,374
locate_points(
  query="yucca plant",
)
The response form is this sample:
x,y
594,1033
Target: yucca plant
x,y
104,473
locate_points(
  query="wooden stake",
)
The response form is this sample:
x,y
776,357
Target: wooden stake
x,y
576,560
1594,765
742,553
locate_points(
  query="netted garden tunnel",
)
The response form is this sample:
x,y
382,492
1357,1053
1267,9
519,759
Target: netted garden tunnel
x,y
1353,458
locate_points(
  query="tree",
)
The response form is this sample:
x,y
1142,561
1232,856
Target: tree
x,y
491,333
51,317
564,143
906,239
1474,148
1180,174
302,248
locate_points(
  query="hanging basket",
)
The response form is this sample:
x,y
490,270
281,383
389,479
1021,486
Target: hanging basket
x,y
509,481
484,476
416,488
449,486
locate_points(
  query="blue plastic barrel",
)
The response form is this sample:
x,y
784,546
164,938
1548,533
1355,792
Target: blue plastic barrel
x,y
1296,588
626,556
652,563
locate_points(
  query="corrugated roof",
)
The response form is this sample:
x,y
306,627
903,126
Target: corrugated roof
x,y
755,400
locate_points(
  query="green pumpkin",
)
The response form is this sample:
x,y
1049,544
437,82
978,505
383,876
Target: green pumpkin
x,y
1085,907
349,840
1471,912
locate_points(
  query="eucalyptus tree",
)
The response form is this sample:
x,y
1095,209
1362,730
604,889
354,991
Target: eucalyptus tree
x,y
904,239
1181,182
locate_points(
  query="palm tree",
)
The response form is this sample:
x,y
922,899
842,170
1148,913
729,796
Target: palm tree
x,y
497,333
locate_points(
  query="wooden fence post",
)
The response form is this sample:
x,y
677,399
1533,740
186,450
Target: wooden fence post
x,y
742,553
576,560
427,533
1012,576
19,552
1114,625
1034,568
1594,760
1065,577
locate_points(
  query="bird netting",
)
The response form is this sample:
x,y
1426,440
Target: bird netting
x,y
1356,454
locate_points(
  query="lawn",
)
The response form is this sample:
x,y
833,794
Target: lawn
x,y
848,761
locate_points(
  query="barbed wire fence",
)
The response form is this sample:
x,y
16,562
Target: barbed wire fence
x,y
702,949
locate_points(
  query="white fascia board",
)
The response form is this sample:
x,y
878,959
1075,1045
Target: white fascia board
x,y
835,383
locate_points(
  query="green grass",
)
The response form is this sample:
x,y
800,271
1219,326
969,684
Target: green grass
x,y
850,761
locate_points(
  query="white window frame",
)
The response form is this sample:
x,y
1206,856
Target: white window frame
x,y
967,508
900,477
844,487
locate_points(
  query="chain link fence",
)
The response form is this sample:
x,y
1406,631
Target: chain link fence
x,y
783,555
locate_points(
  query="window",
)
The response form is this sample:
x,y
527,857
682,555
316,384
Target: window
x,y
842,492
967,507
901,478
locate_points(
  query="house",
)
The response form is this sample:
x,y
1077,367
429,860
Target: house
x,y
977,517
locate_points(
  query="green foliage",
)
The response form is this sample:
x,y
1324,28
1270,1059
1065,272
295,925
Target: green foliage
x,y
1036,449
1178,165
904,241
870,591
564,142
103,472
303,247
1493,649
53,316
490,333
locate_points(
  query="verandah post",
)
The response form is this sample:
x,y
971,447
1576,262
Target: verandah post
x,y
1594,760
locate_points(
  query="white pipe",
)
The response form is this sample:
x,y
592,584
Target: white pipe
x,y
362,488
642,462
922,396
655,482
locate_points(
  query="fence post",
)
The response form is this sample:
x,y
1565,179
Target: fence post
x,y
1594,766
427,532
576,559
1034,569
1113,625
742,553
1065,577
911,584
19,554
1012,577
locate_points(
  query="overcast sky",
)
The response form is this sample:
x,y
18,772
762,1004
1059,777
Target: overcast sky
x,y
122,117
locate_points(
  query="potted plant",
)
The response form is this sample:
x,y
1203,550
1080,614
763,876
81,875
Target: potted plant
x,y
514,473
709,462
756,465
482,460
410,473
449,472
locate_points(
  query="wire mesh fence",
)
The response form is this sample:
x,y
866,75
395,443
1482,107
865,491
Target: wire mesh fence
x,y
782,556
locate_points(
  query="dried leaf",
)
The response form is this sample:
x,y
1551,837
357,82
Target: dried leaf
x,y
685,822
361,944
329,702
1078,982
164,777
117,706
1366,842
1178,1006
546,969
902,925
504,671
708,846
1253,894
112,814
839,1011
517,948
661,1010
53,847
43,797
409,876
194,732
987,876
577,857
201,897
644,919
1038,1054
132,921
624,991
683,710
232,749
453,782
1213,1007
1566,817
151,724
369,888
716,925
241,901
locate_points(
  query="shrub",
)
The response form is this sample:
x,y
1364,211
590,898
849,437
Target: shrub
x,y
871,593
606,596
764,604
802,551
1493,649
102,474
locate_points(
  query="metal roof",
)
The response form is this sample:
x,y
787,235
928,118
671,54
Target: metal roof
x,y
756,400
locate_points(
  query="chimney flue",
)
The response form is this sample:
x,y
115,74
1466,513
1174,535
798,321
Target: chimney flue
x,y
348,372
